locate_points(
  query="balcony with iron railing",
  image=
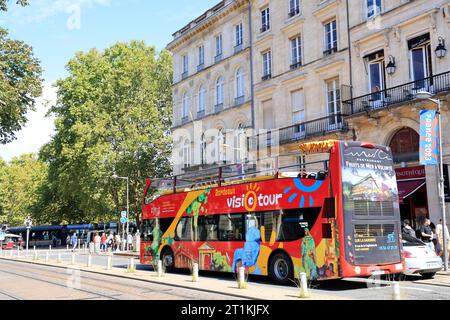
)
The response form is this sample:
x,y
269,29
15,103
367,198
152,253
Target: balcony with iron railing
x,y
396,95
239,100
296,64
266,77
293,12
313,128
218,107
238,48
218,58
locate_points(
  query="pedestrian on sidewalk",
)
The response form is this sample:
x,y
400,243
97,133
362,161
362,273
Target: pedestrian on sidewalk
x,y
68,241
110,242
97,241
440,237
103,240
118,242
426,234
74,241
407,229
130,242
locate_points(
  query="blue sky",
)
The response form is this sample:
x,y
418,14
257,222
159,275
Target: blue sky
x,y
58,28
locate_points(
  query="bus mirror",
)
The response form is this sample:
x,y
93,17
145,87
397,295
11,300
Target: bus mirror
x,y
329,208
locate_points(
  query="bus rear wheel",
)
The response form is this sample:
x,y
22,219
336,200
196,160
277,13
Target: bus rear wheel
x,y
168,260
280,268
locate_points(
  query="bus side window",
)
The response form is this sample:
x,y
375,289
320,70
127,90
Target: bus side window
x,y
184,231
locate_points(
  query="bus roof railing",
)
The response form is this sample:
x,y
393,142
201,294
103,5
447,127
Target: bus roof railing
x,y
237,173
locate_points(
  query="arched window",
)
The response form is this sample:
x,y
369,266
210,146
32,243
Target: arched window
x,y
187,153
240,88
201,99
185,105
405,145
219,91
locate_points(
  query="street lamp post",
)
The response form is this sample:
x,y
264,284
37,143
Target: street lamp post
x,y
124,238
28,223
427,96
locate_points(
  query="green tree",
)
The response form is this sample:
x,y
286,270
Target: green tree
x,y
20,84
112,116
4,4
20,182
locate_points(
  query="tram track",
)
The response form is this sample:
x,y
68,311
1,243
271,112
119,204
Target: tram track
x,y
106,283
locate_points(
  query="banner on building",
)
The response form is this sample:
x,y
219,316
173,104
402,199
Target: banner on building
x,y
429,153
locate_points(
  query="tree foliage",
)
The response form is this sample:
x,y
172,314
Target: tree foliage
x,y
4,4
112,116
20,182
20,84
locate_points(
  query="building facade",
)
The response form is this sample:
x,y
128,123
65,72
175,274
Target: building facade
x,y
309,70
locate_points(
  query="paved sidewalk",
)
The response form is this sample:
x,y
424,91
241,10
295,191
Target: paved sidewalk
x,y
256,291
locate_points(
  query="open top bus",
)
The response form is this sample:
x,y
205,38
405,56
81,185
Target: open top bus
x,y
332,218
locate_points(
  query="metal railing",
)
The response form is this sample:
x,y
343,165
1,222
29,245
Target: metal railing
x,y
294,12
266,77
330,51
264,28
218,58
239,100
184,75
300,131
399,94
218,107
200,114
296,65
238,48
200,67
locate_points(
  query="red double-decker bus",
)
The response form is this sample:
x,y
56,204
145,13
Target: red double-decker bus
x,y
333,218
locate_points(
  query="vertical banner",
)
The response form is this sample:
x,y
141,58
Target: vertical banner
x,y
446,183
428,138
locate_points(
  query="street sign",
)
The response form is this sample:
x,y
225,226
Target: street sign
x,y
123,214
123,220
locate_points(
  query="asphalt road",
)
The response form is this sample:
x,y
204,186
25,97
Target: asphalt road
x,y
19,279
23,281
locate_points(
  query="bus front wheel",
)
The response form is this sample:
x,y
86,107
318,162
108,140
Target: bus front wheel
x,y
280,268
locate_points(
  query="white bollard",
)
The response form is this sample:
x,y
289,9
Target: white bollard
x,y
396,291
109,263
159,269
34,248
89,261
242,284
67,247
46,257
18,252
59,258
50,247
131,267
303,286
11,253
73,258
195,272
35,255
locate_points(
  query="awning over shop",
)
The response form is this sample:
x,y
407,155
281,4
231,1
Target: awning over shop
x,y
407,188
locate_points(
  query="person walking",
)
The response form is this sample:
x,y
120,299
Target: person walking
x,y
103,240
97,241
130,241
68,241
74,241
118,241
110,243
426,234
440,237
407,229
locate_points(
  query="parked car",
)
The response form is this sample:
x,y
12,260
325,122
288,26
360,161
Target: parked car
x,y
419,259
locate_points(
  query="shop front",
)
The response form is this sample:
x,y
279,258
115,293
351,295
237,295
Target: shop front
x,y
412,190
